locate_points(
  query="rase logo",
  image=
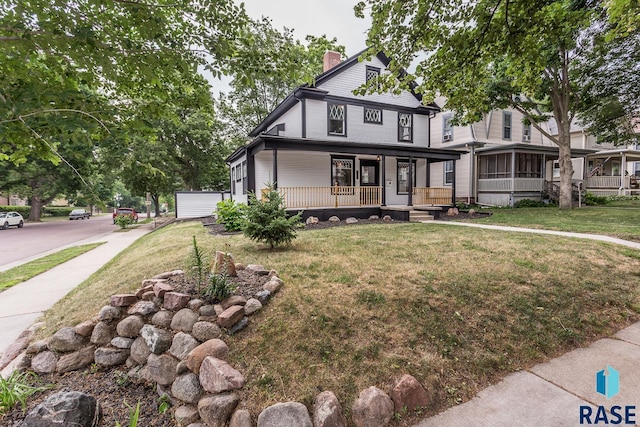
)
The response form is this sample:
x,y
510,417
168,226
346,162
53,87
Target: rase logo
x,y
608,385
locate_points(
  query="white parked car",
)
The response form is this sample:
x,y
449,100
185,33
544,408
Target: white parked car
x,y
10,219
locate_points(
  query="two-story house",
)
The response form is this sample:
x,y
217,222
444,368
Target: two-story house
x,y
330,152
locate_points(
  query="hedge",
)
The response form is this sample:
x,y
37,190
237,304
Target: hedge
x,y
22,210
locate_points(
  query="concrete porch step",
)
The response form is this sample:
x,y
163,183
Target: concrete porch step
x,y
418,216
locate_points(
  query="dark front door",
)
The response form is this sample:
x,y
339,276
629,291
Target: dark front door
x,y
369,177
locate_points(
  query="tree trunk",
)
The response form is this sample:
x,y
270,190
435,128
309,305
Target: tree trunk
x,y
36,209
156,204
566,167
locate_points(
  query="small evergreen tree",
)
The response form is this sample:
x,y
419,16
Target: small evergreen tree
x,y
267,220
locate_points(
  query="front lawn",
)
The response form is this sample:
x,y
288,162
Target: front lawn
x,y
457,308
618,219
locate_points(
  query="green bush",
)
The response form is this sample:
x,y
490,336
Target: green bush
x,y
267,220
231,214
528,203
593,200
22,210
57,211
124,221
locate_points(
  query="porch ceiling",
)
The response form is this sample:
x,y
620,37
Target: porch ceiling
x,y
528,148
433,155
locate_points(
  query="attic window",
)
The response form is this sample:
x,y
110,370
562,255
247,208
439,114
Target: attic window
x,y
405,128
373,115
372,74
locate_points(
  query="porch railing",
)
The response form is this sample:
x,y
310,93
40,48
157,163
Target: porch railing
x,y
511,184
432,196
606,182
342,196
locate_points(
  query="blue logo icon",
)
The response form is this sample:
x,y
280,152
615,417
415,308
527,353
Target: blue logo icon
x,y
608,385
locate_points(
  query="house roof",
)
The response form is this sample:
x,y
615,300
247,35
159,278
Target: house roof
x,y
526,147
617,152
269,142
313,92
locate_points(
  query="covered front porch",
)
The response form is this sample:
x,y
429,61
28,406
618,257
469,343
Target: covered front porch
x,y
613,172
312,175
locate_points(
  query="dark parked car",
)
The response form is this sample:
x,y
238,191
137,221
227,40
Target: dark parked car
x,y
79,214
125,211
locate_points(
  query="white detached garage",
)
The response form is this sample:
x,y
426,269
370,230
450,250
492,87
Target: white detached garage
x,y
198,204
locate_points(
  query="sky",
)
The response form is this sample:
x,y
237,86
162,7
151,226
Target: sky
x,y
333,18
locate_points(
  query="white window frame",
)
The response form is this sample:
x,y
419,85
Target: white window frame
x,y
448,172
368,120
447,129
507,127
401,134
344,119
526,132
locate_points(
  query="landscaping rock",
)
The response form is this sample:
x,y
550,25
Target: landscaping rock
x,y
85,328
109,313
327,411
65,409
233,300
122,342
38,346
312,220
187,388
241,418
223,264
408,393
165,275
76,360
130,326
263,296
285,414
372,408
162,368
472,211
452,212
123,300
65,340
45,362
102,334
230,316
107,356
176,300
149,296
182,344
162,318
351,220
207,310
216,410
205,331
273,286
215,348
158,340
217,376
218,309
252,306
184,320
143,308
161,288
238,326
256,269
140,351
195,304
374,217
333,219
186,415
387,218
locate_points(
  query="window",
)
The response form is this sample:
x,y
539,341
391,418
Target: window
x,y
403,176
528,165
372,115
448,172
495,166
447,129
372,74
405,129
556,169
526,132
233,180
506,125
245,182
337,119
342,171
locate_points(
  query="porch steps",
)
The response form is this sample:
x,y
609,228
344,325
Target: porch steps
x,y
419,216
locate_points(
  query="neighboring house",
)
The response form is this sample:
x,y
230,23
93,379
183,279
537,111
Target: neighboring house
x,y
504,160
330,152
12,200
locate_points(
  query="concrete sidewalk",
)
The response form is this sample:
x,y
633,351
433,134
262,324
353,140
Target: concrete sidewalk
x,y
551,394
23,304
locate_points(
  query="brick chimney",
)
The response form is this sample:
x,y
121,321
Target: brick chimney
x,y
331,59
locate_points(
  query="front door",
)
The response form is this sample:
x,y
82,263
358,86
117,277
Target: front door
x,y
369,181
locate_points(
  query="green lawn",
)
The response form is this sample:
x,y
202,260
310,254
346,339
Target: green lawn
x,y
31,269
457,308
619,219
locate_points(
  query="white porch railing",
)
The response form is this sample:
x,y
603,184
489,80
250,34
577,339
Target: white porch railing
x,y
606,182
511,184
334,197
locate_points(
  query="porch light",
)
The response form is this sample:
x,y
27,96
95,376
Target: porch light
x,y
378,158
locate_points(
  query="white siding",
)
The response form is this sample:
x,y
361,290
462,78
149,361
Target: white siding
x,y
346,81
197,204
292,120
238,195
359,131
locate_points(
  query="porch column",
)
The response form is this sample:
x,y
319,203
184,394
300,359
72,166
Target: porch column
x,y
251,167
383,180
623,172
428,181
513,171
410,182
453,185
275,168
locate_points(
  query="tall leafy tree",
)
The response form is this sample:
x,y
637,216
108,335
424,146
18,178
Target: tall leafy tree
x,y
267,66
480,55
